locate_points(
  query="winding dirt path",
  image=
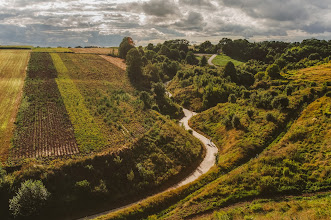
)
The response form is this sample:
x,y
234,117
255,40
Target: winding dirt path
x,y
211,59
207,163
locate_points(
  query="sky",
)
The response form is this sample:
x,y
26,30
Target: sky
x,y
106,22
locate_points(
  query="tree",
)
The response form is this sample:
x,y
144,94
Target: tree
x,y
125,46
134,64
281,102
230,70
145,97
29,199
203,61
164,51
191,59
273,71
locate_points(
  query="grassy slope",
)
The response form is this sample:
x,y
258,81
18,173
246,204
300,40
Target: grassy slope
x,y
297,163
238,145
222,60
12,73
297,207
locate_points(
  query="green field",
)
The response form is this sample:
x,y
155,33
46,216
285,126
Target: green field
x,y
51,50
222,60
12,73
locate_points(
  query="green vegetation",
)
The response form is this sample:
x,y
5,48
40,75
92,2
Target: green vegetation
x,y
31,197
299,207
222,60
271,126
293,164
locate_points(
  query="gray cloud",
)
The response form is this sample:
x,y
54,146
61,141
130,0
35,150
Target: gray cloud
x,y
105,22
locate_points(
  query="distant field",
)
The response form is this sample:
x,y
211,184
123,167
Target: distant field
x,y
12,73
103,51
22,47
51,50
222,60
320,74
43,127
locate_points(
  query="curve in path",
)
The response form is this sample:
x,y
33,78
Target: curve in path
x,y
211,59
205,165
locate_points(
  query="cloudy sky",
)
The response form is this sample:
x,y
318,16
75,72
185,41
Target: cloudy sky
x,y
106,22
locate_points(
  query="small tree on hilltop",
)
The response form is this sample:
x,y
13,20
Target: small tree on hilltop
x,y
125,46
29,199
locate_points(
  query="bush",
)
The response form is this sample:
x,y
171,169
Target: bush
x,y
83,186
273,71
235,121
232,98
250,113
29,199
270,117
280,102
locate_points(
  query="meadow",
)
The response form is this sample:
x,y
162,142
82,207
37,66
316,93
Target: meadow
x,y
12,73
222,60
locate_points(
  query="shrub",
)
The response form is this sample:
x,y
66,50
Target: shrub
x,y
270,117
273,71
232,98
29,199
83,186
2,174
280,102
250,113
235,121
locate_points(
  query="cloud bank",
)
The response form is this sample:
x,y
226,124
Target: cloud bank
x,y
106,22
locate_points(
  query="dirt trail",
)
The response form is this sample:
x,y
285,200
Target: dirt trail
x,y
211,59
205,165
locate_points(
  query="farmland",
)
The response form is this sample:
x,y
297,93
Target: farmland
x,y
51,50
43,127
12,73
101,51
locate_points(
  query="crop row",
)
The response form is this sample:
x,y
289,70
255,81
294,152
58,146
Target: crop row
x,y
43,127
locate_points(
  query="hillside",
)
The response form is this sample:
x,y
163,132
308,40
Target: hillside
x,y
82,129
271,126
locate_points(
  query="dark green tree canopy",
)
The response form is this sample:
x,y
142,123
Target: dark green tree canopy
x,y
125,46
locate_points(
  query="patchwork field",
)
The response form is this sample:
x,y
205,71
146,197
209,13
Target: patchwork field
x,y
107,94
12,73
43,127
100,51
51,50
